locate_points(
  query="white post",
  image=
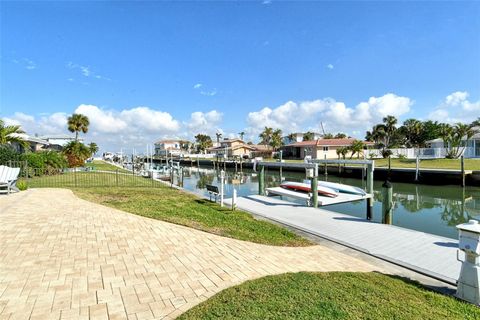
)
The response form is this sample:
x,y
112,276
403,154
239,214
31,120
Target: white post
x,y
222,181
417,166
234,199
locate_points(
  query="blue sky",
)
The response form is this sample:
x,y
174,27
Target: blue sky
x,y
147,70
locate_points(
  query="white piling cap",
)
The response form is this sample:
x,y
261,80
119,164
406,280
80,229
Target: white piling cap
x,y
471,226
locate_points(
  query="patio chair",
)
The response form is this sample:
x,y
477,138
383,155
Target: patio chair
x,y
8,179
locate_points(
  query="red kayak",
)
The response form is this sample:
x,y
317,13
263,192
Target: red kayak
x,y
305,187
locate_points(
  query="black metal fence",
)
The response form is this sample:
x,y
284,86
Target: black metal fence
x,y
80,177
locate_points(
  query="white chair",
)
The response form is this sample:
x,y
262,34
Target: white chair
x,y
8,179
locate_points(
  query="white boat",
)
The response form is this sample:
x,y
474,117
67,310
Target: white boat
x,y
342,188
305,187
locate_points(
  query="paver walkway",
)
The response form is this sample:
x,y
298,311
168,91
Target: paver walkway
x,y
65,258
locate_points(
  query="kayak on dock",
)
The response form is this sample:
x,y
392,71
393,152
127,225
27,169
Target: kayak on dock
x,y
342,188
305,187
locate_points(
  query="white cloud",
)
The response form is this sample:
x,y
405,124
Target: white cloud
x,y
204,122
85,71
336,116
456,108
203,91
26,63
330,66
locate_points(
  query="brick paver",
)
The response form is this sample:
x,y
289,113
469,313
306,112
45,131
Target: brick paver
x,y
65,258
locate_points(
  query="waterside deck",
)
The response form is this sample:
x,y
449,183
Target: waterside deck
x,y
428,254
322,201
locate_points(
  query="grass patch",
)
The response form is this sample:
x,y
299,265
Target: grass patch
x,y
470,164
182,208
333,295
104,166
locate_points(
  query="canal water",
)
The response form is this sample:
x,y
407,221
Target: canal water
x,y
431,209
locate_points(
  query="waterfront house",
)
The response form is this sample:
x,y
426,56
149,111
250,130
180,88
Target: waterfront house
x,y
174,147
232,147
57,142
317,149
298,137
472,145
35,144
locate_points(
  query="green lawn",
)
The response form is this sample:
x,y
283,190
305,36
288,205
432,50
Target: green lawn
x,y
182,208
104,166
333,295
470,164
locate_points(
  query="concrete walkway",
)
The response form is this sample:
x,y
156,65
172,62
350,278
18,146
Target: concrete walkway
x,y
65,258
426,253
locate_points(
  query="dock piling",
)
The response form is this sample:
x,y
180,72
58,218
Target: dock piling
x,y
261,181
370,168
387,202
314,188
462,168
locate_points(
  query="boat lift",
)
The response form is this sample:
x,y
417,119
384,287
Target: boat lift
x,y
311,169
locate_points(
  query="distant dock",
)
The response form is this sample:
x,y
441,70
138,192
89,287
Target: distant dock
x,y
428,254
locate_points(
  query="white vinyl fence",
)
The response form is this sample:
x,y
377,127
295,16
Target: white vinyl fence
x,y
411,153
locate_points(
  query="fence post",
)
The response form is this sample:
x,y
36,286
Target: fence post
x,y
222,182
116,177
75,176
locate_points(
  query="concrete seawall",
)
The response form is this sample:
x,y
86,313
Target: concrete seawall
x,y
407,175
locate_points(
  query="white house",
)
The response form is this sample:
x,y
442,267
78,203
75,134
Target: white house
x,y
298,137
173,147
59,141
472,149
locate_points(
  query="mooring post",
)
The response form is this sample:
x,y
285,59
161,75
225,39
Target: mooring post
x,y
234,199
417,168
462,168
222,183
325,158
387,203
261,181
370,168
314,187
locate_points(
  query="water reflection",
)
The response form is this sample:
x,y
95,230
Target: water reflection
x,y
432,209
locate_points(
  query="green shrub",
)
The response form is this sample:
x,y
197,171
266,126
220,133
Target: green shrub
x,y
402,157
22,185
7,153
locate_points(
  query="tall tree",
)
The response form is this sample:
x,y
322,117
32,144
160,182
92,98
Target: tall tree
x,y
340,135
203,142
308,136
76,153
356,148
276,139
412,131
342,152
78,123
241,134
266,135
455,138
93,148
10,134
475,123
292,137
431,130
328,136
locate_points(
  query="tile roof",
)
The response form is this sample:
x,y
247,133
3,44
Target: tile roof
x,y
326,142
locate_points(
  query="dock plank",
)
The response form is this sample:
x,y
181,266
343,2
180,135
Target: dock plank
x,y
426,253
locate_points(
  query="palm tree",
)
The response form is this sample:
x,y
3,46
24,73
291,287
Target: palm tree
x,y
412,130
328,136
308,136
93,148
266,135
340,135
342,152
356,148
219,136
455,139
276,140
475,123
76,153
389,126
292,137
241,134
10,134
78,122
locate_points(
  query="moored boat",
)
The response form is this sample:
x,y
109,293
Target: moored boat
x,y
342,188
305,187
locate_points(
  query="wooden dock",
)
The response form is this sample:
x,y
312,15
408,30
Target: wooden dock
x,y
432,255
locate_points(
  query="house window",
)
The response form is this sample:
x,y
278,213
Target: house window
x,y
325,148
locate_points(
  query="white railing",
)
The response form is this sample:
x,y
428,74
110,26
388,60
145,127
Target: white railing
x,y
411,153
